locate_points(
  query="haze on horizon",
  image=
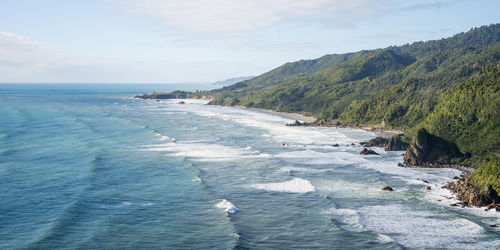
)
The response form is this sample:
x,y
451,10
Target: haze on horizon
x,y
155,41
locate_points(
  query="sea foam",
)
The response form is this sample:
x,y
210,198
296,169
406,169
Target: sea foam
x,y
296,185
228,207
208,152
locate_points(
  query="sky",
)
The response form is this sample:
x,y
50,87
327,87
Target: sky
x,y
181,41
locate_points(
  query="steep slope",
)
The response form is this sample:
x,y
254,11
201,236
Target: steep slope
x,y
282,74
332,88
470,114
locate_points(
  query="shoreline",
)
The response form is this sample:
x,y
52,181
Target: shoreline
x,y
310,119
293,116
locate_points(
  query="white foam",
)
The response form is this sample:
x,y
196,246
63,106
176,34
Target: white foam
x,y
296,185
206,151
420,229
312,157
272,123
228,207
299,169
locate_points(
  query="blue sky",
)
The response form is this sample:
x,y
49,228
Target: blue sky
x,y
168,41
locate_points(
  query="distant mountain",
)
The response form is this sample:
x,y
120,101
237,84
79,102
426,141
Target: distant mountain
x,y
231,81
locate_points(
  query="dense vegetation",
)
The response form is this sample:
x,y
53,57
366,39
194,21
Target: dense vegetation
x,y
280,75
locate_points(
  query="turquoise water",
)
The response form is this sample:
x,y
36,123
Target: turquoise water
x,y
86,166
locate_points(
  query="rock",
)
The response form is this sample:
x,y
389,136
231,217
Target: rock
x,y
428,188
396,144
295,123
387,188
470,195
492,225
376,142
352,144
424,181
181,102
335,145
426,149
400,164
366,151
455,178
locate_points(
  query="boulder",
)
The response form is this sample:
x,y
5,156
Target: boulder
x,y
181,102
396,144
387,188
295,123
335,145
427,149
375,142
366,151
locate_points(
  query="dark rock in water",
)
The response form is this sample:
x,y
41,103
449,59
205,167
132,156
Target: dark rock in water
x,y
455,178
366,151
352,144
387,188
424,181
295,123
400,164
426,149
172,95
470,195
375,142
428,188
335,145
396,144
181,102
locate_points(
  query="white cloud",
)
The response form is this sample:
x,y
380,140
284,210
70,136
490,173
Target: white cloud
x,y
25,60
236,15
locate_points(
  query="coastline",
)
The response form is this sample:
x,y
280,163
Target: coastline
x,y
310,119
293,116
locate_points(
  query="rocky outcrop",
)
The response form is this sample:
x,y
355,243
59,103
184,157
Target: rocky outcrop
x,y
366,151
172,95
470,195
297,123
375,142
396,144
428,150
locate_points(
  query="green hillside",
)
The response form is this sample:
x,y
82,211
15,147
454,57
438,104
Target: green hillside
x,y
282,74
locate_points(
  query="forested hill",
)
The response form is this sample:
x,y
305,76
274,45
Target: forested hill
x,y
284,73
404,87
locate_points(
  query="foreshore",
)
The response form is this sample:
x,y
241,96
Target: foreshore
x,y
293,116
309,120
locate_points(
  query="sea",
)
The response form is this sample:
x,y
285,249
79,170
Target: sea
x,y
87,166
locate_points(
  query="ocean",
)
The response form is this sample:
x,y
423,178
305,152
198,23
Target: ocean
x,y
87,166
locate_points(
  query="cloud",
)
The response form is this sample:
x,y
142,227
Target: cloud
x,y
236,15
25,60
